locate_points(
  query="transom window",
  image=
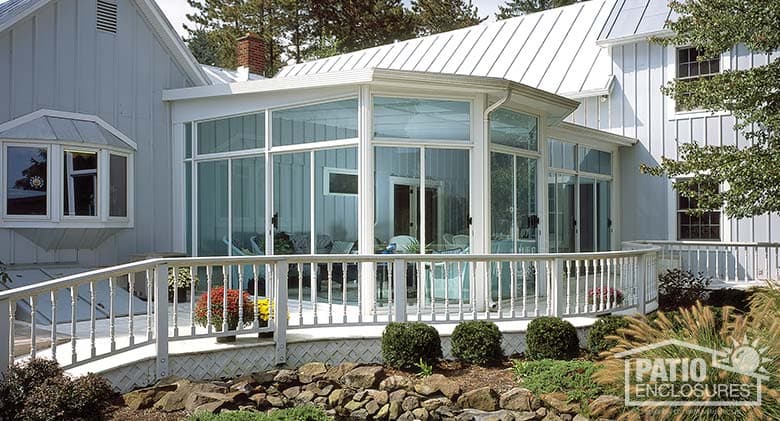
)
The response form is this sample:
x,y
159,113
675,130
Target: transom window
x,y
421,119
703,226
514,129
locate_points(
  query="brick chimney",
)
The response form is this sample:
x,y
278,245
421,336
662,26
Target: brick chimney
x,y
250,53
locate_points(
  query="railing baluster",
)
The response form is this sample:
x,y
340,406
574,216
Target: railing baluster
x,y
568,286
513,286
536,287
240,324
255,278
344,268
601,288
577,286
54,324
433,290
209,311
224,299
73,298
472,290
446,266
92,317
111,314
193,274
488,292
390,291
313,269
130,315
149,295
359,299
500,291
460,290
420,289
33,310
525,288
330,292
585,292
299,267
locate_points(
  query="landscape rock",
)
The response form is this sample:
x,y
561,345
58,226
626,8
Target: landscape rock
x,y
372,407
265,377
365,377
305,397
406,416
146,398
360,414
395,382
211,407
339,397
559,402
336,372
353,406
291,392
432,405
310,372
580,417
276,401
397,396
395,409
483,398
286,377
420,414
383,412
410,403
525,415
516,399
606,406
552,416
437,383
259,399
380,396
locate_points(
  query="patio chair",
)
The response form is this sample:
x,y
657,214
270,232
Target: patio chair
x,y
446,277
461,240
402,242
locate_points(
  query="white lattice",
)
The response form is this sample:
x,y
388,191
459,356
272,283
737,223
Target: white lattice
x,y
132,376
335,351
223,363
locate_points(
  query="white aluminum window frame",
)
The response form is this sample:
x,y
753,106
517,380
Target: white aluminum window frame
x,y
328,171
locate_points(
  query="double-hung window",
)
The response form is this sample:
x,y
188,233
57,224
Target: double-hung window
x,y
690,68
697,226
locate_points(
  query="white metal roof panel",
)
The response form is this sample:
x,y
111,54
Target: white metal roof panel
x,y
634,18
538,50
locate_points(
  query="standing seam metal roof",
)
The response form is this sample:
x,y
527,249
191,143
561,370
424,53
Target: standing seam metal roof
x,y
554,50
630,18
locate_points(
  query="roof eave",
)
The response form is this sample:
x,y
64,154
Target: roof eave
x,y
576,131
633,38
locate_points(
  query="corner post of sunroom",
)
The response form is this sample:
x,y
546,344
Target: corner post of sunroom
x,y
480,196
366,201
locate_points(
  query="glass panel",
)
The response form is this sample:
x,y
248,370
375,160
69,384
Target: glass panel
x,y
26,181
187,140
292,203
117,186
501,202
569,158
232,134
447,200
188,204
561,211
213,208
513,129
397,198
586,220
595,161
336,216
80,190
603,212
527,219
248,210
316,123
556,153
409,118
341,181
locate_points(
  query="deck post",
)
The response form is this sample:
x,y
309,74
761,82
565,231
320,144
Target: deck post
x,y
399,290
280,316
557,289
6,342
161,319
640,278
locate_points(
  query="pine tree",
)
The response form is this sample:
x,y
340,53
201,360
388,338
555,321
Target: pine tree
x,y
203,48
514,8
436,16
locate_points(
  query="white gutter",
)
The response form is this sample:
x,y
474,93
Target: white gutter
x,y
495,105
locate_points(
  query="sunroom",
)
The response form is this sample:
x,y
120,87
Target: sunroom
x,y
380,162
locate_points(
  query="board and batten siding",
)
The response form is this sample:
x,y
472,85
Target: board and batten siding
x,y
637,108
57,59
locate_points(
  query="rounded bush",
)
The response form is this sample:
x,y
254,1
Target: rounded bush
x,y
551,337
604,326
477,342
405,344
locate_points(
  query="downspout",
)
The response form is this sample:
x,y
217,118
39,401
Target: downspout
x,y
493,107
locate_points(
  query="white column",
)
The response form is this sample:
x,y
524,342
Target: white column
x,y
480,197
179,210
366,201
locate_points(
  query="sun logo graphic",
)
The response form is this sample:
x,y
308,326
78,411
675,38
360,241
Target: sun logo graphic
x,y
699,376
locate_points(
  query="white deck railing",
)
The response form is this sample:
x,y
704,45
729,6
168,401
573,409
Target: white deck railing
x,y
728,264
51,318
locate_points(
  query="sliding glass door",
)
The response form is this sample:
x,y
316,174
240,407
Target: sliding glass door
x,y
513,214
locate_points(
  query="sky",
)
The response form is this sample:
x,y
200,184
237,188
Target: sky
x,y
176,10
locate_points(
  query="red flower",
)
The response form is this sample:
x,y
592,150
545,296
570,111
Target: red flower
x,y
610,295
217,308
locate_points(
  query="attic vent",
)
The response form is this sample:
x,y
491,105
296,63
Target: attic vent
x,y
106,16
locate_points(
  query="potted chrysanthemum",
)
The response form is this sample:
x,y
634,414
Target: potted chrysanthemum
x,y
265,311
606,296
217,310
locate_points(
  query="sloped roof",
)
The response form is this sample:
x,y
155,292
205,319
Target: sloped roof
x,y
60,126
13,11
630,20
220,75
554,50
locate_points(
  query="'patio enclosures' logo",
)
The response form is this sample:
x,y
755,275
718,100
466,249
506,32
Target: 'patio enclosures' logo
x,y
730,376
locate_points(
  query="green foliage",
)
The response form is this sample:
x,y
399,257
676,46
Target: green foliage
x,y
551,337
300,413
513,8
436,16
681,288
40,390
477,342
713,27
574,378
604,326
425,369
405,344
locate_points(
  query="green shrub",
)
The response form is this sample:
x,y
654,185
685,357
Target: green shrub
x,y
604,326
405,344
301,413
570,377
551,337
40,390
681,288
477,342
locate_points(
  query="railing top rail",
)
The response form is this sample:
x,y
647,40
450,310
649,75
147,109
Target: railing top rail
x,y
706,243
134,267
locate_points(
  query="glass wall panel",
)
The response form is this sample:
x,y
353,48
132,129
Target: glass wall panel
x,y
315,123
424,119
397,198
336,215
561,211
447,200
513,129
27,182
188,204
248,207
595,161
513,203
213,208
187,140
117,205
604,219
80,184
562,155
232,134
292,203
527,218
501,202
587,216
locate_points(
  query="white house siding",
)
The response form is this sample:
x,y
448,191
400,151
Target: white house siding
x,y
637,108
55,58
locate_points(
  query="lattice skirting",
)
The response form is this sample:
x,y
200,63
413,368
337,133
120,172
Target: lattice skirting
x,y
226,363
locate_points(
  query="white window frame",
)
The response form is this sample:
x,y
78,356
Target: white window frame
x,y
328,171
99,171
675,228
4,182
671,71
